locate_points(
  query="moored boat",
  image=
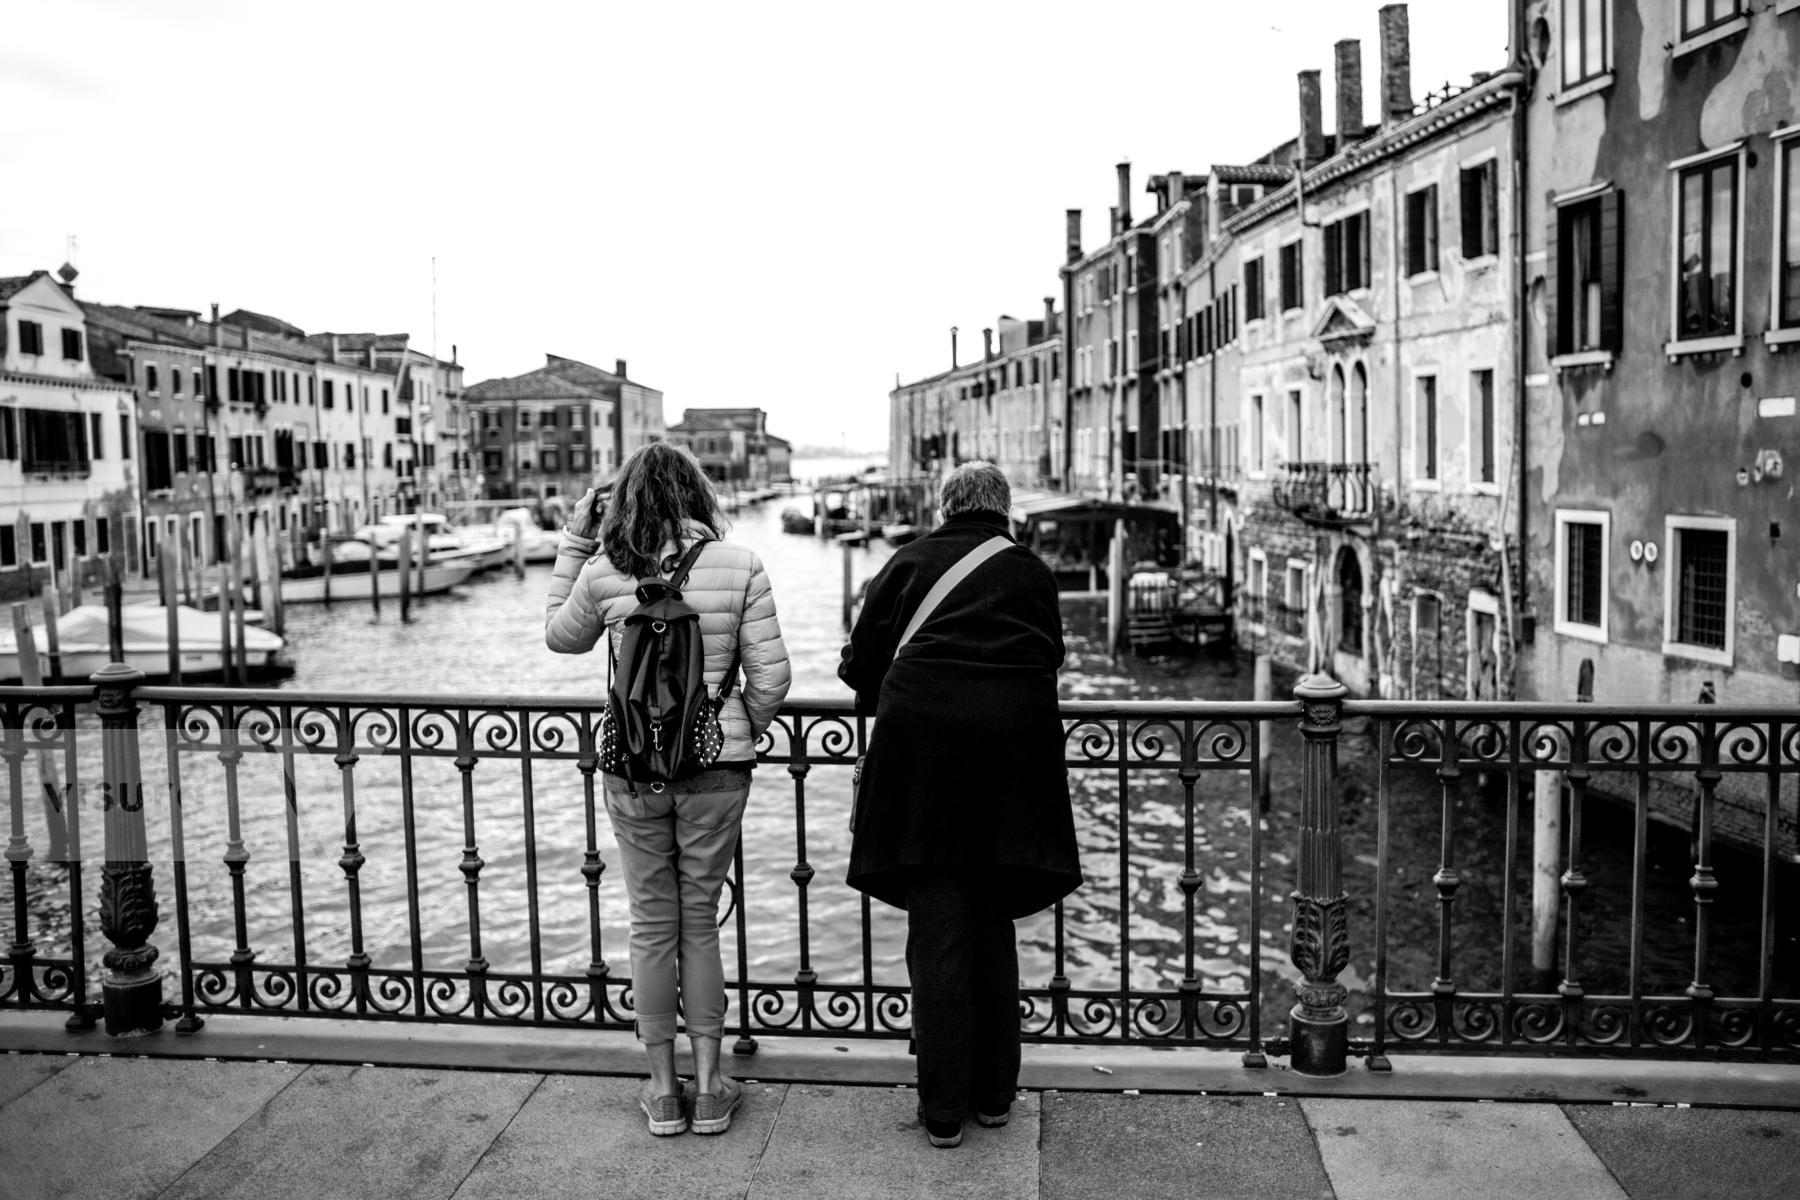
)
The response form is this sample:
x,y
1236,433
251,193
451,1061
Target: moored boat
x,y
348,578
84,644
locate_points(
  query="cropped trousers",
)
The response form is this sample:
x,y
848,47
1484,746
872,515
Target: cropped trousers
x,y
675,848
962,954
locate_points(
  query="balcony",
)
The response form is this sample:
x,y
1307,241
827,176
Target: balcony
x,y
1326,493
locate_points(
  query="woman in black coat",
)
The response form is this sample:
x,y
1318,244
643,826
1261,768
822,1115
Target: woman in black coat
x,y
963,814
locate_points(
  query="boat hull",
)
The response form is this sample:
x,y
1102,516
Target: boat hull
x,y
350,581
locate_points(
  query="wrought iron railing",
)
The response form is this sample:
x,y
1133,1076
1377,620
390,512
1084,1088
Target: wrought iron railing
x,y
1326,493
446,861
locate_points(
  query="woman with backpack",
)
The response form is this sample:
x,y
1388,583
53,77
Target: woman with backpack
x,y
677,837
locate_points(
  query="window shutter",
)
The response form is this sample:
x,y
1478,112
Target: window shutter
x,y
1415,234
1490,194
1552,249
1334,248
1472,231
1612,270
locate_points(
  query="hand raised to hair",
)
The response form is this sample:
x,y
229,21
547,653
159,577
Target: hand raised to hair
x,y
585,520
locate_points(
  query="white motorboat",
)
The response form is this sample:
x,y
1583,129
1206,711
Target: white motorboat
x,y
518,524
348,578
84,644
442,540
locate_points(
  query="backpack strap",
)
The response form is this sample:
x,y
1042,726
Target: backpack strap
x,y
677,580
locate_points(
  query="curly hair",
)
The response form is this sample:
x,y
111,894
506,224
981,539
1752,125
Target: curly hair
x,y
660,486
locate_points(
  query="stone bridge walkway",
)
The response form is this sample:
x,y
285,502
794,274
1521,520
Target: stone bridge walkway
x,y
453,1125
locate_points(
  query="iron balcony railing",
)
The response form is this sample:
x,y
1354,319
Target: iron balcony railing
x,y
1326,493
445,859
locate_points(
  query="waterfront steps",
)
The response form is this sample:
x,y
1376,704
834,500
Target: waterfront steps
x,y
288,1108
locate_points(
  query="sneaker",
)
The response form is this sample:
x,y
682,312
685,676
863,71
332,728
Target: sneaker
x,y
665,1115
994,1120
943,1134
712,1114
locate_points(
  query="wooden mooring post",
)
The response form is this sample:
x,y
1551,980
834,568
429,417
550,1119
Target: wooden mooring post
x,y
31,674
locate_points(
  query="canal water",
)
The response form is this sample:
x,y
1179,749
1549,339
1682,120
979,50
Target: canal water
x,y
485,640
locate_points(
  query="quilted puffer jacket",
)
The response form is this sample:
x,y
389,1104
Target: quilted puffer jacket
x,y
728,587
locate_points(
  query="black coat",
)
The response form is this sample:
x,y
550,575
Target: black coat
x,y
965,761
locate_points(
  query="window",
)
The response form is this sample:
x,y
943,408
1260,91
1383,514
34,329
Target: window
x,y
40,544
551,459
1425,429
9,547
1698,16
124,436
157,473
1131,351
1294,594
1586,46
31,337
1700,588
1787,214
524,418
175,381
1587,275
96,436
1292,296
387,454
330,394
1482,467
1253,290
199,388
79,528
55,442
349,455
578,458
384,399
71,340
1257,582
1421,231
1295,430
1706,229
578,415
1583,549
151,382
178,443
1480,189
1347,254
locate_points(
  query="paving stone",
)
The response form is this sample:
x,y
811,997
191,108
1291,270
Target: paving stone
x,y
1440,1150
1192,1147
362,1131
126,1127
1683,1152
861,1143
585,1136
19,1073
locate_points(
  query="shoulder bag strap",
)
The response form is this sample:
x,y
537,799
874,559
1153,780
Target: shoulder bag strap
x,y
947,583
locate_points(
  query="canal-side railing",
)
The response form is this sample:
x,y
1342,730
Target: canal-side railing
x,y
445,861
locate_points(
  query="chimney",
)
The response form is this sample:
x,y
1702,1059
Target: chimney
x,y
1124,196
953,363
334,346
453,354
244,336
1113,210
1349,94
370,348
218,334
1396,66
987,345
1049,316
1072,217
1174,189
1312,132
619,367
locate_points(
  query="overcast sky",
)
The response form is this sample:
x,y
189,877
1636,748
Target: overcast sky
x,y
771,204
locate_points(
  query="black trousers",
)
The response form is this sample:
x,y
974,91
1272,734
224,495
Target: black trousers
x,y
963,956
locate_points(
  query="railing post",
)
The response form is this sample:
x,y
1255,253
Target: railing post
x,y
1320,944
132,987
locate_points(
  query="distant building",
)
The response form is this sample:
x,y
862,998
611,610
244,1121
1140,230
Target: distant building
x,y
732,444
241,416
1006,407
68,496
781,458
434,436
549,434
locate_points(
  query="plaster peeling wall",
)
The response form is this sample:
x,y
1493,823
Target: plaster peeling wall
x,y
1758,95
1659,21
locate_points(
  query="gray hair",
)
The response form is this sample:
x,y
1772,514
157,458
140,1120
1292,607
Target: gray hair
x,y
975,487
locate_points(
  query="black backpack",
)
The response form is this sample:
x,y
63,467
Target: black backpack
x,y
660,725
